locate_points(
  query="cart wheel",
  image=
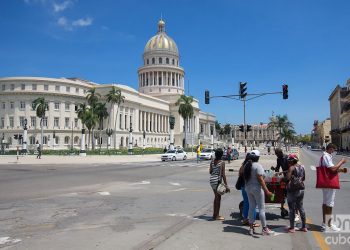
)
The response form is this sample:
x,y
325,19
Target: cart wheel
x,y
241,209
284,212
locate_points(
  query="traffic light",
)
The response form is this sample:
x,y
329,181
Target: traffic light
x,y
285,91
241,128
16,136
249,128
242,90
20,137
207,97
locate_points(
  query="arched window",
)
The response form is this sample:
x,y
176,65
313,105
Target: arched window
x,y
66,140
147,61
32,140
167,60
45,140
153,61
76,140
160,60
173,61
57,140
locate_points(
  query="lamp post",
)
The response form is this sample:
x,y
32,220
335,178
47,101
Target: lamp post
x,y
130,149
54,139
25,135
82,143
109,132
144,140
3,144
172,125
212,136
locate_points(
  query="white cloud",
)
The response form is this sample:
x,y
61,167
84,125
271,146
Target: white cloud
x,y
82,22
57,7
62,21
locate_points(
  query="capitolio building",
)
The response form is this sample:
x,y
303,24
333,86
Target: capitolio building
x,y
146,111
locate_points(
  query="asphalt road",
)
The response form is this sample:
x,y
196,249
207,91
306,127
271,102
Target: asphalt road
x,y
161,205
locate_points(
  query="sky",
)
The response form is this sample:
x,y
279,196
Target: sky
x,y
304,44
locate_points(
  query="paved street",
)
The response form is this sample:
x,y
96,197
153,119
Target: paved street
x,y
141,205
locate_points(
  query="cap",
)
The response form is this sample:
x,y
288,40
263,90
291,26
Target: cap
x,y
255,152
293,157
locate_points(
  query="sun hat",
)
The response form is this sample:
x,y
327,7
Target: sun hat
x,y
292,157
255,152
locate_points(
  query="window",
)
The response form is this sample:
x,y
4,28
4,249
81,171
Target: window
x,y
153,61
120,121
34,86
173,61
77,90
44,121
56,121
167,61
67,89
3,105
84,91
66,140
57,88
22,105
76,140
32,140
2,122
46,87
23,86
3,87
66,122
57,140
67,106
202,128
21,121
147,61
12,124
33,106
44,140
12,105
75,122
125,124
12,87
57,105
160,60
33,121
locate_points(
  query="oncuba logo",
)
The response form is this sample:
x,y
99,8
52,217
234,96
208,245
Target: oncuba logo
x,y
341,221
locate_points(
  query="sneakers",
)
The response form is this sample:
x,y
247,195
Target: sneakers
x,y
267,231
251,231
323,227
332,228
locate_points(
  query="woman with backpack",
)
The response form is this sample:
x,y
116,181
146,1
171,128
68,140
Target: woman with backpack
x,y
256,189
295,191
217,175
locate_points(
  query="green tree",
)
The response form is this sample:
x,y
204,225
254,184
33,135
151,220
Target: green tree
x,y
114,96
185,110
227,129
288,136
102,113
41,106
91,119
92,98
81,112
280,122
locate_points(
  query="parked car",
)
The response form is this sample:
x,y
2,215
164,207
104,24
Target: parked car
x,y
174,155
234,155
207,154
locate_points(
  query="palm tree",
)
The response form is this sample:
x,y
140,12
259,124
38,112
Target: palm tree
x,y
101,112
114,96
91,119
288,136
40,105
280,122
185,109
227,129
92,98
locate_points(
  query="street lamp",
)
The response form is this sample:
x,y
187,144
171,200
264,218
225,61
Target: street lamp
x,y
144,140
54,139
25,135
172,125
3,144
130,149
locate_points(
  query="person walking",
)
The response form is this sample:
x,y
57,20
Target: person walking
x,y
229,152
295,192
217,174
255,187
38,148
198,153
328,193
245,209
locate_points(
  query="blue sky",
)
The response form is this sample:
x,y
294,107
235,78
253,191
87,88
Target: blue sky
x,y
305,44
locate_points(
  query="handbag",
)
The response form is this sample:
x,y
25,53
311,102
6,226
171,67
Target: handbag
x,y
326,178
296,182
221,189
240,182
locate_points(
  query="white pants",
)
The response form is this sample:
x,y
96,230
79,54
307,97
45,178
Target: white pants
x,y
328,196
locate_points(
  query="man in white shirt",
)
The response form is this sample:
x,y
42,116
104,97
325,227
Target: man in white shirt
x,y
328,193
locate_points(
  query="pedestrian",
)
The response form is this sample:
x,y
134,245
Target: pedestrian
x,y
328,193
295,192
165,150
245,220
198,153
229,151
282,163
217,175
256,189
38,148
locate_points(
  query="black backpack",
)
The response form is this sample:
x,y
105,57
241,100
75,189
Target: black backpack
x,y
296,182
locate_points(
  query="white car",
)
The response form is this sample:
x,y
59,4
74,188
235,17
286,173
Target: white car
x,y
207,154
174,155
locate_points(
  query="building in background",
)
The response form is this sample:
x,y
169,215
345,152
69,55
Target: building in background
x,y
161,83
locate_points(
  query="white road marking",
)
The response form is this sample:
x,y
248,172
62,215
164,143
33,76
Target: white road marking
x,y
175,183
8,240
313,168
104,193
185,216
141,183
279,231
179,189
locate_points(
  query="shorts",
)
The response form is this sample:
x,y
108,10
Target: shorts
x,y
328,196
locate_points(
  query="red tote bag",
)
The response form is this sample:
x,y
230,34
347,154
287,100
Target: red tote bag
x,y
326,178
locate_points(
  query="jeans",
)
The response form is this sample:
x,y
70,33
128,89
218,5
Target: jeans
x,y
295,202
256,197
246,204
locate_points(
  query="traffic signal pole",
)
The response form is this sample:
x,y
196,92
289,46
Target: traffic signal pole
x,y
245,126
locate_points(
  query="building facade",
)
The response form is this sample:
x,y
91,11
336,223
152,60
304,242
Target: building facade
x,y
259,134
161,83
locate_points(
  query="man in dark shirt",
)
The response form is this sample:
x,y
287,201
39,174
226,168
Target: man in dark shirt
x,y
282,163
